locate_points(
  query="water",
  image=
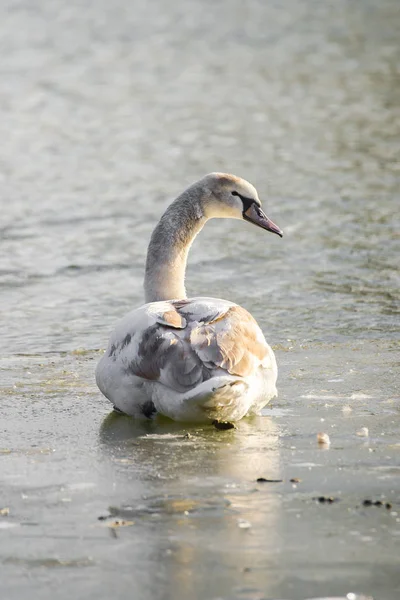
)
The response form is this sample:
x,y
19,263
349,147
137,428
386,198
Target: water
x,y
107,112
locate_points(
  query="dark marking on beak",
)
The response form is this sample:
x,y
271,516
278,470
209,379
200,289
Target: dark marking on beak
x,y
255,215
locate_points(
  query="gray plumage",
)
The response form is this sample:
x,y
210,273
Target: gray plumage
x,y
190,359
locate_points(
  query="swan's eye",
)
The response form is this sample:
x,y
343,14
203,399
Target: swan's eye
x,y
235,193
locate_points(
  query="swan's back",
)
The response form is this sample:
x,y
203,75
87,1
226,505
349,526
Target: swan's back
x,y
181,344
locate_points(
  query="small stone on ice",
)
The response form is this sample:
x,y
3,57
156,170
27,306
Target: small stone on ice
x,y
363,432
323,439
243,524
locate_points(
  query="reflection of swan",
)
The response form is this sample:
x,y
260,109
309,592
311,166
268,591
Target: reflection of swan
x,y
174,451
195,359
117,428
189,496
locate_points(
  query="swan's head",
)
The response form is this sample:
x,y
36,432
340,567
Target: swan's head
x,y
229,196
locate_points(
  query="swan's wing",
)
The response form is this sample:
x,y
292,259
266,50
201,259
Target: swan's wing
x,y
181,343
230,340
153,343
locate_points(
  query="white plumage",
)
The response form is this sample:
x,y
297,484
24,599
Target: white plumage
x,y
198,359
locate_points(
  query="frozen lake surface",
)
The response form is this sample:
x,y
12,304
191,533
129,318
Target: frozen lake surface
x,y
107,112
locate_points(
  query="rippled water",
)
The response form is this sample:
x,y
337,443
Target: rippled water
x,y
108,111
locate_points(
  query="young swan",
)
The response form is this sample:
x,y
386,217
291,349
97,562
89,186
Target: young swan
x,y
199,359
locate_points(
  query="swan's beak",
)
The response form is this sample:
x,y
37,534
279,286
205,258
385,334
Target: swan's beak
x,y
255,215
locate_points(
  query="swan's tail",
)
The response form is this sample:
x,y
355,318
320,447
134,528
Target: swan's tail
x,y
221,398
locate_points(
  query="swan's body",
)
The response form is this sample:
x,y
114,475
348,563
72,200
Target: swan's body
x,y
199,359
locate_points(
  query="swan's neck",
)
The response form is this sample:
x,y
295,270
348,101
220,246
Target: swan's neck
x,y
169,247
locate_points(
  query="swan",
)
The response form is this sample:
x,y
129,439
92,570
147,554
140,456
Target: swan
x,y
191,359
